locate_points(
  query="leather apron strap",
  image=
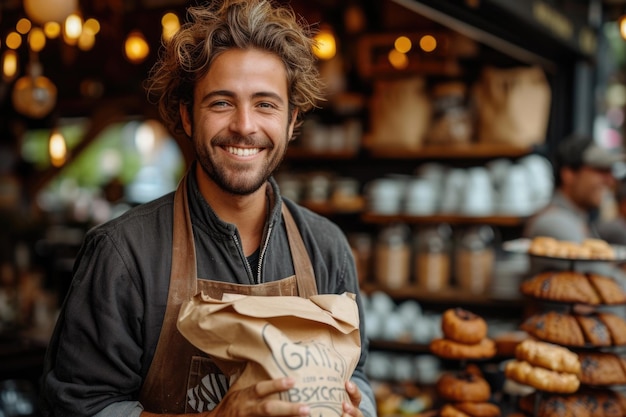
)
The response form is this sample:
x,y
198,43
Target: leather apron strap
x,y
164,389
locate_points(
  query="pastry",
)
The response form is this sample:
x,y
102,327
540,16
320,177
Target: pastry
x,y
541,378
564,286
463,387
601,403
478,409
554,327
602,368
463,326
588,249
608,289
548,355
616,326
449,349
594,329
448,410
554,405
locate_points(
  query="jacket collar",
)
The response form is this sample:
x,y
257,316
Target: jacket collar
x,y
203,213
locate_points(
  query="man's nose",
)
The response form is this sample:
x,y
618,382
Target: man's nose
x,y
243,121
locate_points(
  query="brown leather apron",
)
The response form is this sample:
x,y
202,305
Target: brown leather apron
x,y
174,381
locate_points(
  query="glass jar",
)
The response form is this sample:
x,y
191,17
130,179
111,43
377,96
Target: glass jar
x,y
452,121
393,256
474,259
432,258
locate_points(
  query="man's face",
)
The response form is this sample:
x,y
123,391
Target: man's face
x,y
241,126
588,185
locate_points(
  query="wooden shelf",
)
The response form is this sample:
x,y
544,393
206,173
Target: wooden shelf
x,y
449,296
302,153
508,221
465,151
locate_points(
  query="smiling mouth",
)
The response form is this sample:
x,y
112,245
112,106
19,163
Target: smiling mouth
x,y
242,151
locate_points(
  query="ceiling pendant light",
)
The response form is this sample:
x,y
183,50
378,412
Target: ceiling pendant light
x,y
44,11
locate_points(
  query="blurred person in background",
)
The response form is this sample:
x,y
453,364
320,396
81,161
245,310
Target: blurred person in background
x,y
614,230
583,174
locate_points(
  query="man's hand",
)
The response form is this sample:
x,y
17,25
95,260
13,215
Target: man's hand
x,y
258,401
352,409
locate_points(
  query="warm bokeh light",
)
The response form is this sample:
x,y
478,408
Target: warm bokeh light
x,y
398,60
36,39
428,43
52,30
73,28
13,40
86,41
135,47
23,26
403,44
170,24
57,149
91,26
9,64
622,26
325,45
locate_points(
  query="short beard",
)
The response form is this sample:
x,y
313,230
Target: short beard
x,y
245,184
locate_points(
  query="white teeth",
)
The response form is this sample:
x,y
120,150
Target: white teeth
x,y
242,151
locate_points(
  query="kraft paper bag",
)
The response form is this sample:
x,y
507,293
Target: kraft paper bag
x,y
252,338
400,113
513,105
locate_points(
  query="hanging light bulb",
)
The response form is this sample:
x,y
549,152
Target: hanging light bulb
x,y
136,47
57,148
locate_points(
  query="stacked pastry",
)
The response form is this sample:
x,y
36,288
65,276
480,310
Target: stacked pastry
x,y
584,403
545,366
574,287
465,393
595,329
464,337
587,249
572,319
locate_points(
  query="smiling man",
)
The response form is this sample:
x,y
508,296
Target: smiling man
x,y
236,81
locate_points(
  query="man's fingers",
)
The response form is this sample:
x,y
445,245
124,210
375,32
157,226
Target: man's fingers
x,y
354,393
272,386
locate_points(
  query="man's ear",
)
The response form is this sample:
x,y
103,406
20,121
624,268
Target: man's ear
x,y
292,124
185,118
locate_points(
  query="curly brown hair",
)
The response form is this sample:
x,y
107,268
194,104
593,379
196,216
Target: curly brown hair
x,y
223,25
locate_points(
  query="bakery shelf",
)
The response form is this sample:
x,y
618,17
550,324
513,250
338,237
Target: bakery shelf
x,y
506,221
461,151
449,296
303,153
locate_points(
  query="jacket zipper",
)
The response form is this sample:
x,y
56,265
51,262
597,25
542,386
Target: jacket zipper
x,y
262,254
257,280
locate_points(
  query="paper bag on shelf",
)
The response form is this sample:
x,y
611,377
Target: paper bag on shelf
x,y
254,338
400,113
513,106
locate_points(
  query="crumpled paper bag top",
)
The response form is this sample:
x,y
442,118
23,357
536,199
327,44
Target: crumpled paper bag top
x,y
251,338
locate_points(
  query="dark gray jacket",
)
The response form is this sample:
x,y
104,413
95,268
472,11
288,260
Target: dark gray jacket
x,y
109,326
